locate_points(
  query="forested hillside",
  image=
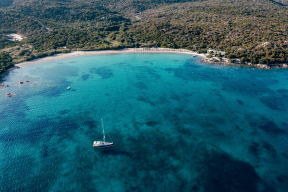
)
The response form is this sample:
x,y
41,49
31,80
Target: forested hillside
x,y
5,62
253,31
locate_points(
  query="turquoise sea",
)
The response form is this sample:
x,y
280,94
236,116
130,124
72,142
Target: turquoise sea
x,y
177,125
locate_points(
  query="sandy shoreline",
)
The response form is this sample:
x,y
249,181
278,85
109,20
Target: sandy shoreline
x,y
127,50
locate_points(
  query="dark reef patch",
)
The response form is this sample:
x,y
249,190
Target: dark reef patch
x,y
190,71
284,124
15,108
44,151
254,149
220,172
32,134
283,92
268,189
104,72
85,77
91,128
271,127
178,110
146,100
176,97
282,178
272,102
257,149
64,112
240,102
55,91
140,85
269,149
154,101
284,155
152,123
184,131
65,127
246,86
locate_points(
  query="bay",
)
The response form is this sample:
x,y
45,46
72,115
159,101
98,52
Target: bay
x,y
177,125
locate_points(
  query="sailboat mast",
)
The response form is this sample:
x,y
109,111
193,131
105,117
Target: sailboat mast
x,y
103,131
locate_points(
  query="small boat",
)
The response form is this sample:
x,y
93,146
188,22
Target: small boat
x,y
68,88
101,144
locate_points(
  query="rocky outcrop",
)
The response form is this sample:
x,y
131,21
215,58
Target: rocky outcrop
x,y
225,61
9,94
263,66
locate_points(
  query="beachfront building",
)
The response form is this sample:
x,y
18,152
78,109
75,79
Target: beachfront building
x,y
216,52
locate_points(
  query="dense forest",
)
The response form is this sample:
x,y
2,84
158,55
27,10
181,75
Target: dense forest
x,y
253,31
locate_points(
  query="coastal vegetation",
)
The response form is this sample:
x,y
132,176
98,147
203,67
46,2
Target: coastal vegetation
x,y
5,62
254,32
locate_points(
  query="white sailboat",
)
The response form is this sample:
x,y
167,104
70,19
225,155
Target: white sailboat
x,y
103,143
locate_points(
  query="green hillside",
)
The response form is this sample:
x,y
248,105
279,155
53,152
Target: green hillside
x,y
253,31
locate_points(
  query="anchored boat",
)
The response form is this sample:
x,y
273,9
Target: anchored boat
x,y
101,144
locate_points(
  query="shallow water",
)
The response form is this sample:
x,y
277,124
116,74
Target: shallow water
x,y
177,125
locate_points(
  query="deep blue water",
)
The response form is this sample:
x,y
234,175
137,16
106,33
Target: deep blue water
x,y
177,125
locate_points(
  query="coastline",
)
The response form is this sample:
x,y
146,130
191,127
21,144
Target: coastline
x,y
204,59
126,50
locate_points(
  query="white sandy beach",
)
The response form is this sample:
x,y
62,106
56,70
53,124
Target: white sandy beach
x,y
127,50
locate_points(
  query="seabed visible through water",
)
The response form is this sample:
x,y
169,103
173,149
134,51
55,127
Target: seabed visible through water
x,y
177,125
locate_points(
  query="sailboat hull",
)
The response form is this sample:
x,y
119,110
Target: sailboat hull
x,y
101,144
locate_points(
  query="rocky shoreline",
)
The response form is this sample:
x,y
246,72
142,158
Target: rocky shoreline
x,y
261,66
